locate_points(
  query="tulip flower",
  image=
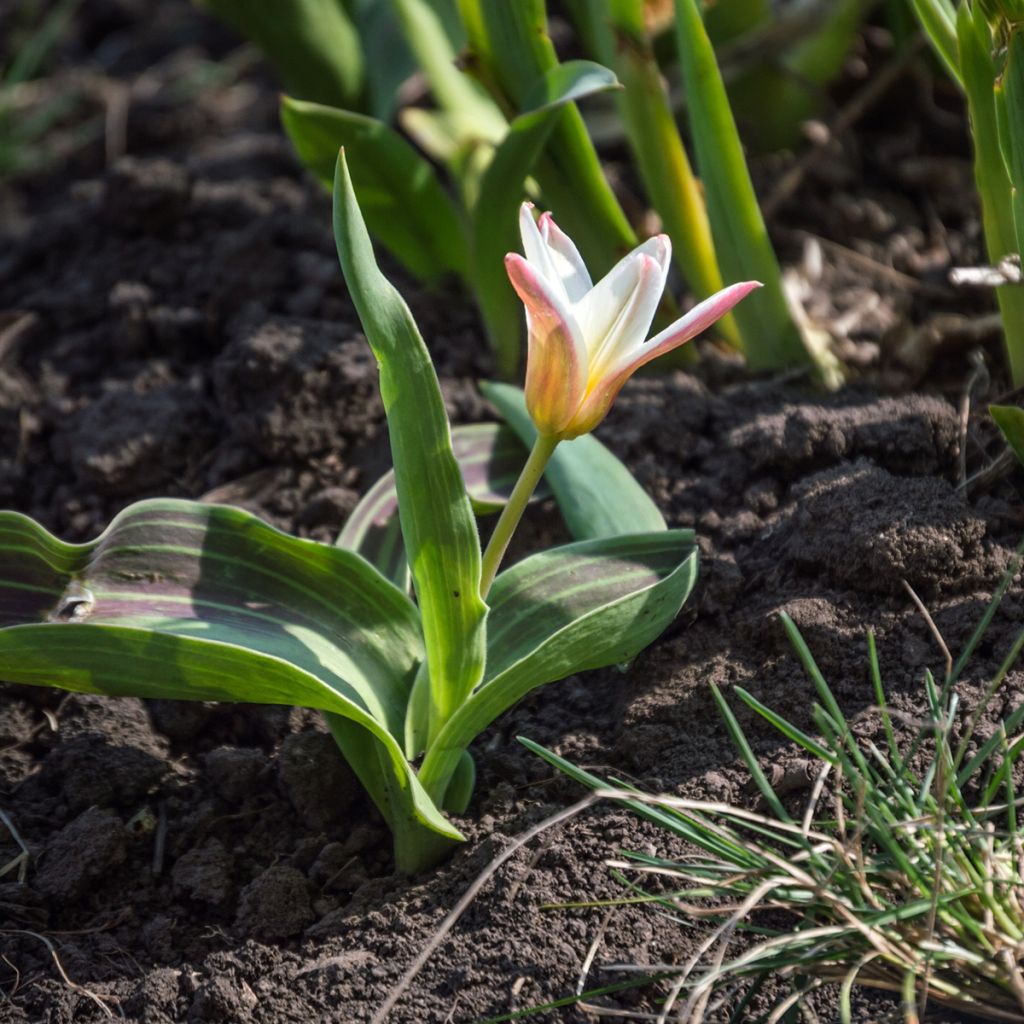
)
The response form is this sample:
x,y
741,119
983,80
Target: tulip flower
x,y
587,340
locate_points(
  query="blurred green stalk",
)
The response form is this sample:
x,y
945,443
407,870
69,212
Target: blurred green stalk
x,y
619,37
771,339
510,51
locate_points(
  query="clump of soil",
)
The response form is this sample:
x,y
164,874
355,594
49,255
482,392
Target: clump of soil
x,y
175,323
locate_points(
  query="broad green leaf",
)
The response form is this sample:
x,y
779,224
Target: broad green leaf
x,y
597,495
438,528
490,458
187,601
403,202
770,338
312,43
581,606
494,213
1010,420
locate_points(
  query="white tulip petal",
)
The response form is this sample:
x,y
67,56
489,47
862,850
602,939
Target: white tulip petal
x,y
600,313
566,258
538,252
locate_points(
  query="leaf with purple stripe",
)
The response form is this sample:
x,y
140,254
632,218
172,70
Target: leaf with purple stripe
x,y
580,606
490,458
189,601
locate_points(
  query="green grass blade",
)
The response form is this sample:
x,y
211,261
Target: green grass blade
x,y
403,202
596,493
739,741
438,528
787,729
770,338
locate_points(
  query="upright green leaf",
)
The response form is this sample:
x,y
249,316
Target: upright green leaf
x,y
1010,100
770,338
313,44
403,202
577,607
621,37
187,601
597,495
511,51
978,71
494,212
438,527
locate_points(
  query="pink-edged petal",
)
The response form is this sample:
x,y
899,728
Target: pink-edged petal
x,y
604,391
556,362
566,258
630,329
687,327
538,252
600,309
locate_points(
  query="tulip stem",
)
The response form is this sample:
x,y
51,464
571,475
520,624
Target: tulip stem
x,y
513,511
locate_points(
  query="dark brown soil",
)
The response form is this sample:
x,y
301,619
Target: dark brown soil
x,y
174,322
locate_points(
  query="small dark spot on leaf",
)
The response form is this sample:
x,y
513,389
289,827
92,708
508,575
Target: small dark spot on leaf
x,y
455,593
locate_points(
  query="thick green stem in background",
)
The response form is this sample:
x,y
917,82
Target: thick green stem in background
x,y
770,338
513,511
978,73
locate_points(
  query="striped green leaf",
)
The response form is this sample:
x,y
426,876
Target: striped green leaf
x,y
438,528
597,495
581,606
403,202
187,601
490,458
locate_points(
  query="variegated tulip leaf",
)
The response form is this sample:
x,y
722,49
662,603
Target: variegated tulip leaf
x,y
189,601
490,458
438,528
581,606
596,493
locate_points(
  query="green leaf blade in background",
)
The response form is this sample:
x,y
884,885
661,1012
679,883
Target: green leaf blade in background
x,y
596,493
490,458
510,44
186,601
495,212
770,337
313,44
978,74
576,607
403,202
438,527
1010,421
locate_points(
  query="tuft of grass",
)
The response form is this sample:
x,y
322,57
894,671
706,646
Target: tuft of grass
x,y
903,872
